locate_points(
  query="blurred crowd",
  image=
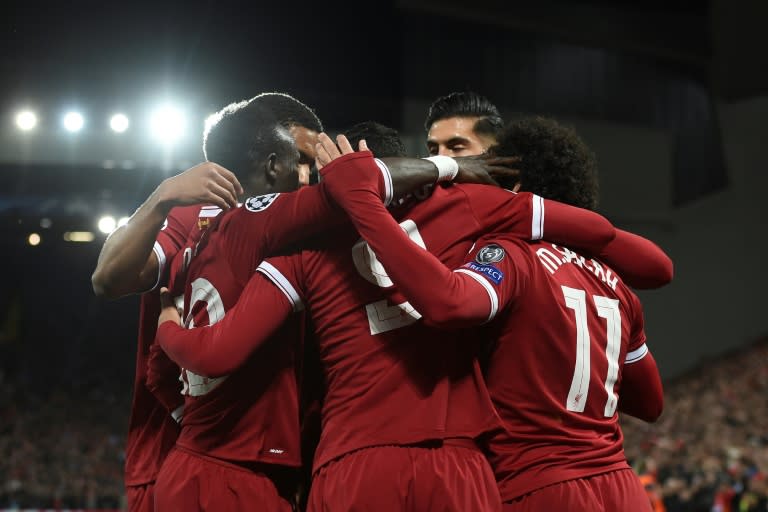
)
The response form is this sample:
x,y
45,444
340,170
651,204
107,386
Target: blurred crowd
x,y
62,446
709,450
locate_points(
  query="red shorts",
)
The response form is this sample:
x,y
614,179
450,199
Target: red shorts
x,y
191,482
406,478
140,497
608,492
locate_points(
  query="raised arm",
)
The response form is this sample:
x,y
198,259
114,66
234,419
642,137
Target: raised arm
x,y
443,297
219,349
127,263
640,263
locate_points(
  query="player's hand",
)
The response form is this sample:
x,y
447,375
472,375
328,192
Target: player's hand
x,y
328,151
484,168
168,311
205,183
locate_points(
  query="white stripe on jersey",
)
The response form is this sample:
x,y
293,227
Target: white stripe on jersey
x,y
178,413
636,355
537,222
282,283
209,211
388,187
158,250
488,288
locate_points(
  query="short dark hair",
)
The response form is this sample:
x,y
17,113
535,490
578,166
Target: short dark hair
x,y
555,162
382,140
467,104
242,133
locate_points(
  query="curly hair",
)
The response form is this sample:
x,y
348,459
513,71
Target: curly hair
x,y
555,161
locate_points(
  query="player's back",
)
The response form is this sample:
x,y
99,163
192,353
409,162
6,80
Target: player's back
x,y
389,378
250,415
556,370
151,429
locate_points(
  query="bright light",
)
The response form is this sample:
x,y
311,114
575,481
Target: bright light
x,y
78,236
33,239
107,224
167,124
26,120
73,121
119,123
123,221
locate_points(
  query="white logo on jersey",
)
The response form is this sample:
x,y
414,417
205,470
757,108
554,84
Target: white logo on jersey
x,y
260,203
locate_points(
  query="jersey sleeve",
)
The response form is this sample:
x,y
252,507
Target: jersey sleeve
x,y
172,237
531,217
642,394
636,349
163,380
266,224
219,349
640,263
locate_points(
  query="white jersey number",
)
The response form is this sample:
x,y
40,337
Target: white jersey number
x,y
606,308
202,290
382,316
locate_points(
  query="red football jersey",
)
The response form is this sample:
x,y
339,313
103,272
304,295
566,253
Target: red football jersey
x,y
151,430
390,379
252,414
556,367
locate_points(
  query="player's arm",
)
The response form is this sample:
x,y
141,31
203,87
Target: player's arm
x,y
640,263
163,381
524,215
444,298
221,348
531,217
642,393
127,264
410,174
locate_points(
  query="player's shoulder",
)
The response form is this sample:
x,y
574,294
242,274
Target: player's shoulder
x,y
261,203
253,209
479,189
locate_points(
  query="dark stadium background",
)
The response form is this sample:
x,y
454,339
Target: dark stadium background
x,y
672,96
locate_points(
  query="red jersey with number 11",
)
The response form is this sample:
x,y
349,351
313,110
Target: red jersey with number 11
x,y
570,327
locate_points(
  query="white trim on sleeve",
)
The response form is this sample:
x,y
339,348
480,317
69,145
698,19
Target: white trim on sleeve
x,y
636,355
158,250
488,288
537,222
388,187
282,283
178,413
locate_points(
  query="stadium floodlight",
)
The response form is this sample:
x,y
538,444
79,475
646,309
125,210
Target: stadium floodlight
x,y
119,123
167,124
107,224
33,239
73,121
26,120
123,221
78,236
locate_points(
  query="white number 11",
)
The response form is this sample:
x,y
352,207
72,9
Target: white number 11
x,y
606,308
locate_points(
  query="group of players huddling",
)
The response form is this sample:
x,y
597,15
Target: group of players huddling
x,y
452,333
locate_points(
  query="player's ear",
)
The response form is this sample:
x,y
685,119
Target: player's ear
x,y
271,169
